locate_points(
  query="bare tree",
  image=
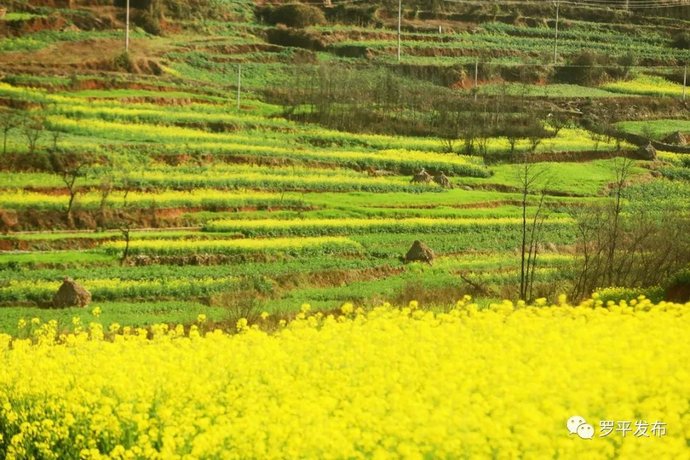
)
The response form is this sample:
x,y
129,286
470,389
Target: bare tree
x,y
623,167
512,140
530,179
558,121
635,239
33,129
55,136
105,188
126,222
9,120
70,167
127,218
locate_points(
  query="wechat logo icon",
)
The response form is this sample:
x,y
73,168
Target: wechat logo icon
x,y
577,425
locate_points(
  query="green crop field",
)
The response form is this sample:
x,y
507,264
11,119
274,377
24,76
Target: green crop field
x,y
182,194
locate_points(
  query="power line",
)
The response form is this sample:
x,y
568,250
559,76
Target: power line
x,y
631,4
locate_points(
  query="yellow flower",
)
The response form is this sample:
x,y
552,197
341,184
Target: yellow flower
x,y
353,386
242,324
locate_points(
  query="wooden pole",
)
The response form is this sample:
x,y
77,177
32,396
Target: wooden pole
x,y
685,81
239,85
127,29
476,78
555,42
399,27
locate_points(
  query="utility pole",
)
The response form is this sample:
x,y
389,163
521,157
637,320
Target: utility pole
x,y
399,27
685,80
555,42
127,29
476,78
239,85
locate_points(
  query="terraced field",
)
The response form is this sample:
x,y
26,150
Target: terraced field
x,y
318,231
260,202
182,194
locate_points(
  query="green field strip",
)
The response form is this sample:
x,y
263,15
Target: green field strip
x,y
658,129
208,199
130,313
312,227
238,247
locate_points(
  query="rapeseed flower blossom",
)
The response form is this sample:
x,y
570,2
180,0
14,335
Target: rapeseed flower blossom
x,y
498,382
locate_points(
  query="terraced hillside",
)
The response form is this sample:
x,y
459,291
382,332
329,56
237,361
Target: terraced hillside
x,y
231,164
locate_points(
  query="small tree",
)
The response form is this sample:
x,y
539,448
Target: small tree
x,y
70,167
584,68
558,121
447,123
125,229
105,188
9,120
530,177
33,129
55,136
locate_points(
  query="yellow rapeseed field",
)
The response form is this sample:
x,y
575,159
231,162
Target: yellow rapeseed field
x,y
499,382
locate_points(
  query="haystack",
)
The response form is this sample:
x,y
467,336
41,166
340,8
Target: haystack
x,y
676,138
422,177
419,252
648,152
71,294
442,180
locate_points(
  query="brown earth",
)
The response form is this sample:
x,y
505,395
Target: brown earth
x,y
33,219
85,55
679,293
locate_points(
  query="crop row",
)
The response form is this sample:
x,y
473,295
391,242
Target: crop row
x,y
102,289
647,85
311,227
242,178
214,178
189,272
206,199
515,45
239,247
253,146
196,114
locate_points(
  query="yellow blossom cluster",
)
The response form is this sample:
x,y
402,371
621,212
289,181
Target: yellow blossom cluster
x,y
499,382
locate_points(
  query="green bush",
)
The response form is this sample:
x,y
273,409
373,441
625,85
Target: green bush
x,y
148,21
296,15
124,62
298,38
585,68
681,41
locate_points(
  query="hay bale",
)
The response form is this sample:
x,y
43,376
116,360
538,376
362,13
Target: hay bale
x,y
422,177
71,294
442,180
420,252
648,152
676,138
